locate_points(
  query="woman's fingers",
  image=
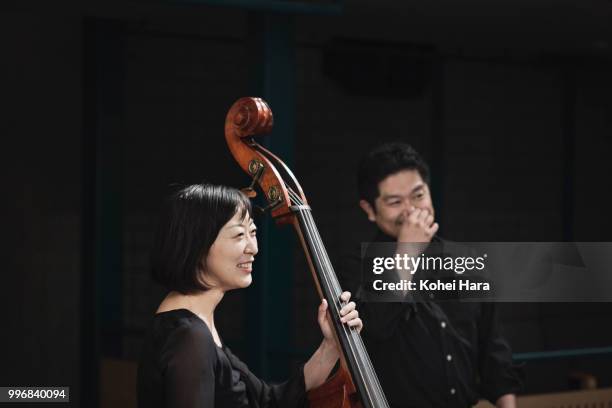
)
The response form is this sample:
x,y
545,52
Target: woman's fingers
x,y
322,310
348,315
357,323
353,314
323,307
326,329
347,308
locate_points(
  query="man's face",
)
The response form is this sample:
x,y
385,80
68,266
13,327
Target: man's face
x,y
399,194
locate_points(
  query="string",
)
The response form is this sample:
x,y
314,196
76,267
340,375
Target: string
x,y
353,337
370,373
354,340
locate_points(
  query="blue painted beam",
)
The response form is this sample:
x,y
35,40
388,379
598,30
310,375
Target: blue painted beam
x,y
303,354
558,354
269,318
101,305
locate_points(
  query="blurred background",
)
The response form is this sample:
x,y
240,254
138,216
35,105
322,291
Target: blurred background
x,y
108,106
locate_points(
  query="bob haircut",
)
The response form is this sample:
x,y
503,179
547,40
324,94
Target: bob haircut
x,y
191,221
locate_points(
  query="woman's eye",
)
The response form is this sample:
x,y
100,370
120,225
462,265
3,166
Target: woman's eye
x,y
394,203
240,235
254,232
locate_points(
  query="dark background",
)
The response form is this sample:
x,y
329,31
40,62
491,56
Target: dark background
x,y
105,106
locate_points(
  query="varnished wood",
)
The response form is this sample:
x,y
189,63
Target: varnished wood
x,y
336,391
247,119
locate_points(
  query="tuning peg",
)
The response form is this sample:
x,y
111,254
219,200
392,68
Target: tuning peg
x,y
262,210
249,192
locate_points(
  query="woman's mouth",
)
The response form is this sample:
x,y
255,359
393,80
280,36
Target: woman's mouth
x,y
247,266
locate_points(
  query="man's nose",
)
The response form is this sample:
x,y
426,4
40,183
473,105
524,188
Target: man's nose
x,y
408,207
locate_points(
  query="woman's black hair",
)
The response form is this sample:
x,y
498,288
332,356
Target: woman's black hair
x,y
383,161
191,221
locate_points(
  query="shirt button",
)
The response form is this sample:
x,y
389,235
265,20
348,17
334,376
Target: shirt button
x,y
452,391
449,357
443,324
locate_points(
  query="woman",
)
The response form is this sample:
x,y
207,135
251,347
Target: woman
x,y
206,246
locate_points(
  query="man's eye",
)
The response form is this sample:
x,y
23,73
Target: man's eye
x,y
394,203
419,195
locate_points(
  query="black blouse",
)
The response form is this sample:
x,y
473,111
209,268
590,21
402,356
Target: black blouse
x,y
182,367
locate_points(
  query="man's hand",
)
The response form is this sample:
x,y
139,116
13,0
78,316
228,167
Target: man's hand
x,y
417,226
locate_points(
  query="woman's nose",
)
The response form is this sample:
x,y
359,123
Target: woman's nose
x,y
251,247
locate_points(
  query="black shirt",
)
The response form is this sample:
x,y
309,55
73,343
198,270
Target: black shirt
x,y
182,367
432,353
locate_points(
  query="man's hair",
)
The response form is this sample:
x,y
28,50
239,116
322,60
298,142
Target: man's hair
x,y
191,221
383,161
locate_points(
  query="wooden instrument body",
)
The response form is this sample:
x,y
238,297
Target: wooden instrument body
x,y
355,383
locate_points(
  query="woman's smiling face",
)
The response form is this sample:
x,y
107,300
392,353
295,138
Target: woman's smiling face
x,y
230,258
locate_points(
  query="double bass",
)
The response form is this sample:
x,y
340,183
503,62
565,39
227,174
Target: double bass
x,y
355,383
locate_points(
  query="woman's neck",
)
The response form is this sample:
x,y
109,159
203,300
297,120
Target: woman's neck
x,y
202,304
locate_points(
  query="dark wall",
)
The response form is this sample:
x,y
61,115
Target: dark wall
x,y
505,137
41,157
518,147
178,90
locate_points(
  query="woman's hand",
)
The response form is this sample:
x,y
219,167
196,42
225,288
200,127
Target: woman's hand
x,y
317,369
349,313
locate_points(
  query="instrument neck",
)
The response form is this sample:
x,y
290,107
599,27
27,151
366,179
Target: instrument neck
x,y
353,349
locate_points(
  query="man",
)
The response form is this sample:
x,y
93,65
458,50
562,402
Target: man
x,y
432,353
